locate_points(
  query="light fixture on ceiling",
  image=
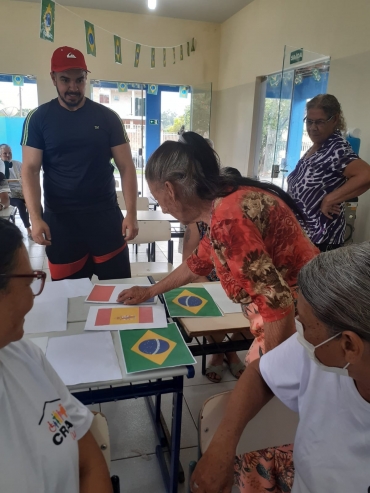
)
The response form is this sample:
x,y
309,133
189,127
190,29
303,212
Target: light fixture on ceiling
x,y
152,4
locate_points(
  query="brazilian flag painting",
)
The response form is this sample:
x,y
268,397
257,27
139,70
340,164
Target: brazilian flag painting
x,y
47,20
90,38
117,49
152,349
191,302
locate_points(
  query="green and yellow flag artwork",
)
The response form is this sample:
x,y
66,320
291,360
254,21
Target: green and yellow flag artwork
x,y
137,55
164,57
192,302
193,44
122,87
188,48
152,58
47,20
157,348
183,91
153,89
18,80
90,38
174,55
117,49
181,53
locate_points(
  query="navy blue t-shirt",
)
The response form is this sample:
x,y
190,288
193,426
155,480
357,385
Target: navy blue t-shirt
x,y
76,145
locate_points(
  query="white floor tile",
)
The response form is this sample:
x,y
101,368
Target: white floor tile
x,y
189,433
130,428
37,263
138,475
45,264
196,395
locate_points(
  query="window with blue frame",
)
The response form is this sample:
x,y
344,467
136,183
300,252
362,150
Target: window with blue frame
x,y
18,95
283,139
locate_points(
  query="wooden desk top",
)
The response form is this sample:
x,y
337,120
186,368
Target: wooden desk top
x,y
230,322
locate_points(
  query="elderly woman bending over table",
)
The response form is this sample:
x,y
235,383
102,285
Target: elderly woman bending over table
x,y
45,442
254,240
323,373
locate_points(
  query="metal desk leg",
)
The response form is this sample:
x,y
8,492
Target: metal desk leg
x,y
152,253
175,440
204,358
170,251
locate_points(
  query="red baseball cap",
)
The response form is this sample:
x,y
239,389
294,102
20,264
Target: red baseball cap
x,y
66,58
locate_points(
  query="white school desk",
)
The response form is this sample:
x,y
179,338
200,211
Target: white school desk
x,y
143,384
153,216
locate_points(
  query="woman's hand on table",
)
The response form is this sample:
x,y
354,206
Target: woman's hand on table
x,y
134,295
214,472
329,209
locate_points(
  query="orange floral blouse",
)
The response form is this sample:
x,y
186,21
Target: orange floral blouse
x,y
257,247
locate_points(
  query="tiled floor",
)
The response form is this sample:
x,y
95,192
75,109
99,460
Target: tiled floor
x,y
133,440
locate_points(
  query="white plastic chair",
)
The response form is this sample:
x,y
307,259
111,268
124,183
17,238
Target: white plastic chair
x,y
142,202
273,426
150,232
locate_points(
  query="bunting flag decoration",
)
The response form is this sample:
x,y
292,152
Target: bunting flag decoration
x,y
164,57
183,91
90,38
152,58
18,80
193,44
181,53
316,74
122,87
188,48
174,55
47,20
117,49
137,55
153,89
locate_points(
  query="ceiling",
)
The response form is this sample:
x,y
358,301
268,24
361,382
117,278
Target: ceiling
x,y
198,10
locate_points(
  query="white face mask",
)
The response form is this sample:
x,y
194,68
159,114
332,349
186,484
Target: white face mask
x,y
310,348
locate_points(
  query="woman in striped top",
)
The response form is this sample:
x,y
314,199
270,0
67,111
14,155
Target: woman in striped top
x,y
327,175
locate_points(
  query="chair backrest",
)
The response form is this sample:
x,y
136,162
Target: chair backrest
x,y
100,431
142,202
273,426
152,231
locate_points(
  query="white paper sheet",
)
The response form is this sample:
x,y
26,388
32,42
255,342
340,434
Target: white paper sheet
x,y
41,342
126,317
48,316
84,358
100,292
68,288
220,298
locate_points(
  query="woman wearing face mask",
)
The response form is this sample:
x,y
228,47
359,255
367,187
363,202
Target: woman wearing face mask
x,y
327,175
323,373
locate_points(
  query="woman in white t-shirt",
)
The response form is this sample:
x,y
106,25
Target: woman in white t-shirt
x,y
323,373
45,442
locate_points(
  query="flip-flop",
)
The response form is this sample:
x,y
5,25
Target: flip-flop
x,y
218,369
235,368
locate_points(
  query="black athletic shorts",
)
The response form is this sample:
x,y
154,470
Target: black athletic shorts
x,y
85,243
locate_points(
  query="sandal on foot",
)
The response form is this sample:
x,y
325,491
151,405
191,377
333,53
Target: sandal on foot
x,y
218,370
235,368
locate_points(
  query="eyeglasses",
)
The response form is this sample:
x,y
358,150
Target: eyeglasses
x,y
318,123
38,282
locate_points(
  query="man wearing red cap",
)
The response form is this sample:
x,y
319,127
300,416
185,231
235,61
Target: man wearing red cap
x,y
74,139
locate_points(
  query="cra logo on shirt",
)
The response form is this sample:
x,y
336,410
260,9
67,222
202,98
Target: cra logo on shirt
x,y
55,417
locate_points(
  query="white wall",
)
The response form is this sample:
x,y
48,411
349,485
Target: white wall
x,y
252,44
23,52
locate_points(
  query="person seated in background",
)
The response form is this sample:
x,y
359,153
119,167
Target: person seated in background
x,y
4,192
323,373
37,454
13,173
193,235
327,175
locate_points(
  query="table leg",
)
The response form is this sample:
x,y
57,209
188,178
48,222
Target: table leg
x,y
170,251
175,440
